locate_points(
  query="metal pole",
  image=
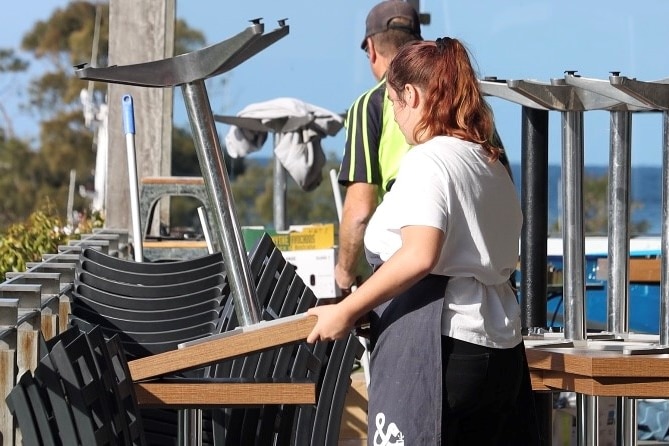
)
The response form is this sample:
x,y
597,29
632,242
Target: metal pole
x,y
202,214
664,279
572,225
618,254
129,130
216,180
70,199
656,96
573,242
591,411
619,217
626,429
280,221
534,201
581,420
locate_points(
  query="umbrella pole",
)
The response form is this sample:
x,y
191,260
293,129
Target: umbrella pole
x,y
129,129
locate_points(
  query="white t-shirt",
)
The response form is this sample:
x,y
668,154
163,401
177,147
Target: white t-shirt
x,y
451,184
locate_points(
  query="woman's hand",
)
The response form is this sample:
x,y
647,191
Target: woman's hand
x,y
333,323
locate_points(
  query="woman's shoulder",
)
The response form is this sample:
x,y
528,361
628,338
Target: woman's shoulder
x,y
447,147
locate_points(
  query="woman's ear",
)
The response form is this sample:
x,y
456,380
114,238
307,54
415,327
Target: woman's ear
x,y
412,95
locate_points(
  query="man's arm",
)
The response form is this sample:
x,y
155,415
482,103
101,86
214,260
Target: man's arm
x,y
360,173
359,205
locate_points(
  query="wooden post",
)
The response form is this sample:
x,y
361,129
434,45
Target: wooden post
x,y
138,32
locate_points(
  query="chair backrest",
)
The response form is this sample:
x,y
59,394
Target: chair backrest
x,y
33,413
319,425
117,383
151,308
149,267
130,321
81,394
166,289
353,351
153,278
156,308
330,364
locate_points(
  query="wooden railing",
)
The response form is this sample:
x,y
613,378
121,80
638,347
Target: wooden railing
x,y
38,300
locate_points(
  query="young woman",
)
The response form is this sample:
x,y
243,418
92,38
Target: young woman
x,y
448,355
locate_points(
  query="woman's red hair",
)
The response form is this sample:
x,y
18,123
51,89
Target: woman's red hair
x,y
454,105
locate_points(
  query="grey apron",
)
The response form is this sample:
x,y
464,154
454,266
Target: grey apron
x,y
405,392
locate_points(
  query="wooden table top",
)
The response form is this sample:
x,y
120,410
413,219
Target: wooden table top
x,y
603,368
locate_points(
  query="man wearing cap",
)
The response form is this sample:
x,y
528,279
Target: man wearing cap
x,y
374,143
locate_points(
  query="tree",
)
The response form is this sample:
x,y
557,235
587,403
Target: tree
x,y
9,63
64,141
65,39
595,208
183,210
186,163
254,197
18,179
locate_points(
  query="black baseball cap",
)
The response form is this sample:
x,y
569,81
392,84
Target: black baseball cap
x,y
379,18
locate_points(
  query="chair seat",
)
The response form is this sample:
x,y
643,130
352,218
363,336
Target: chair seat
x,y
141,309
98,298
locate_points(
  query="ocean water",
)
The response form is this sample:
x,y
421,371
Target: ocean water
x,y
645,192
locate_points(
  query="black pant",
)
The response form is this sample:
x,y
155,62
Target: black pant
x,y
480,387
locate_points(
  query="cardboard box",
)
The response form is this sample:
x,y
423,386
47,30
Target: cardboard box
x,y
316,268
296,238
565,427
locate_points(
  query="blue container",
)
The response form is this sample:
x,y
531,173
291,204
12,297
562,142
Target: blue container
x,y
644,301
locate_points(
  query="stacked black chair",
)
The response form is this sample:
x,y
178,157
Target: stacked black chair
x,y
30,407
80,394
282,293
152,308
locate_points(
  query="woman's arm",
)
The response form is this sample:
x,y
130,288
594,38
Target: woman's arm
x,y
421,246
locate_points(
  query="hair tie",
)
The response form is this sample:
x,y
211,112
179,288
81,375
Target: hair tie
x,y
441,43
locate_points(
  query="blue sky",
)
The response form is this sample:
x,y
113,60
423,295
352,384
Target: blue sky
x,y
320,61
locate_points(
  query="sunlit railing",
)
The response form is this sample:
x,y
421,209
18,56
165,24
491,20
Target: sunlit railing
x,y
38,300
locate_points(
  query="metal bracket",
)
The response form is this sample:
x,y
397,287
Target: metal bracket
x,y
190,67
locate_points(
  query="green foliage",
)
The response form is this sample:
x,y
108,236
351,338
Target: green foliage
x,y
40,234
254,197
10,62
186,38
252,184
595,209
27,242
64,40
18,179
183,210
